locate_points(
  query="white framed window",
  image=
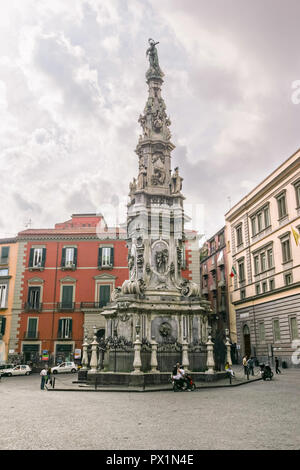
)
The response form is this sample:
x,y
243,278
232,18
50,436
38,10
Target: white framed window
x,y
69,257
106,256
37,257
3,294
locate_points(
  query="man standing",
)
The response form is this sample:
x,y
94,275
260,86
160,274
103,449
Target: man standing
x,y
250,365
43,375
278,371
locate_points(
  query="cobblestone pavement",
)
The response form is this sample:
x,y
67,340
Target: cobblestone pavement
x,y
259,415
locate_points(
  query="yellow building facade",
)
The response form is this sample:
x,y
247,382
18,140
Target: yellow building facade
x,y
263,249
8,265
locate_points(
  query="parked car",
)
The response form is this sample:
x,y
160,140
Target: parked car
x,y
17,370
64,367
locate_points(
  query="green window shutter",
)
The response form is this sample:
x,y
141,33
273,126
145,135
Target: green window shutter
x,y
104,295
70,327
44,257
32,324
100,257
67,296
75,256
2,325
63,257
31,257
112,256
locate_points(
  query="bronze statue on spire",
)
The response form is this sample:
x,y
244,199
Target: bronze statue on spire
x,y
154,69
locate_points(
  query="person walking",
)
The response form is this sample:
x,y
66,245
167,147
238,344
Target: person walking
x,y
278,371
250,365
43,375
245,365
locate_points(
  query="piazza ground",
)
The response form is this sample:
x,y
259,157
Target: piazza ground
x,y
259,415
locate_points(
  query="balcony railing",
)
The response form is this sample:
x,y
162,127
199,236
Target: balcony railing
x,y
62,335
66,306
33,307
31,335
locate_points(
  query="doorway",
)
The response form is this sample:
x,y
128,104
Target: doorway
x,y
247,341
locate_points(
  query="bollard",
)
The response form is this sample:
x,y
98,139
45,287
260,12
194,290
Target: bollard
x,y
247,373
53,382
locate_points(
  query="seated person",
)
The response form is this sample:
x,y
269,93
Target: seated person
x,y
229,369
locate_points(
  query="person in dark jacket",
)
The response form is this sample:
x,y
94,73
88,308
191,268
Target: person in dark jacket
x,y
278,371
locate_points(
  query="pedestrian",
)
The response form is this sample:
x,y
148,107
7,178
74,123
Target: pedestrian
x,y
278,371
245,365
250,365
49,376
43,375
229,369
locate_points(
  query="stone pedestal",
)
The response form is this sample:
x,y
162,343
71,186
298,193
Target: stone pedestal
x,y
154,363
137,362
210,355
185,356
85,359
94,356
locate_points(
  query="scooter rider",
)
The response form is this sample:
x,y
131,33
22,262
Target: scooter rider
x,y
178,374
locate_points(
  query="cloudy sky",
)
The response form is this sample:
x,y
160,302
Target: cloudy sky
x,y
72,85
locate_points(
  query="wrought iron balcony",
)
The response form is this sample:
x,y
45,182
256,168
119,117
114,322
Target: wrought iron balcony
x,y
33,307
31,335
66,306
62,335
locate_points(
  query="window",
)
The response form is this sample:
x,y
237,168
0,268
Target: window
x,y
106,257
69,257
4,255
241,268
239,235
297,192
37,257
34,298
32,328
263,261
288,279
256,264
2,326
261,220
294,328
65,328
3,272
276,330
212,247
221,240
281,202
67,297
267,216
257,289
243,294
286,251
264,287
271,284
3,293
270,258
261,331
104,295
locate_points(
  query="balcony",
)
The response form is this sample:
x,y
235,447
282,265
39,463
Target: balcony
x,y
66,306
62,335
33,307
69,266
31,335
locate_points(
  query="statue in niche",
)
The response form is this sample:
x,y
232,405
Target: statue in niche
x,y
176,181
158,177
142,178
161,261
142,121
132,260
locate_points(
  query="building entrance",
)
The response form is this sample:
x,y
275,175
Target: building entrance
x,y
247,341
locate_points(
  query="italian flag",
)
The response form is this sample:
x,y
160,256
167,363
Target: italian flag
x,y
233,272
